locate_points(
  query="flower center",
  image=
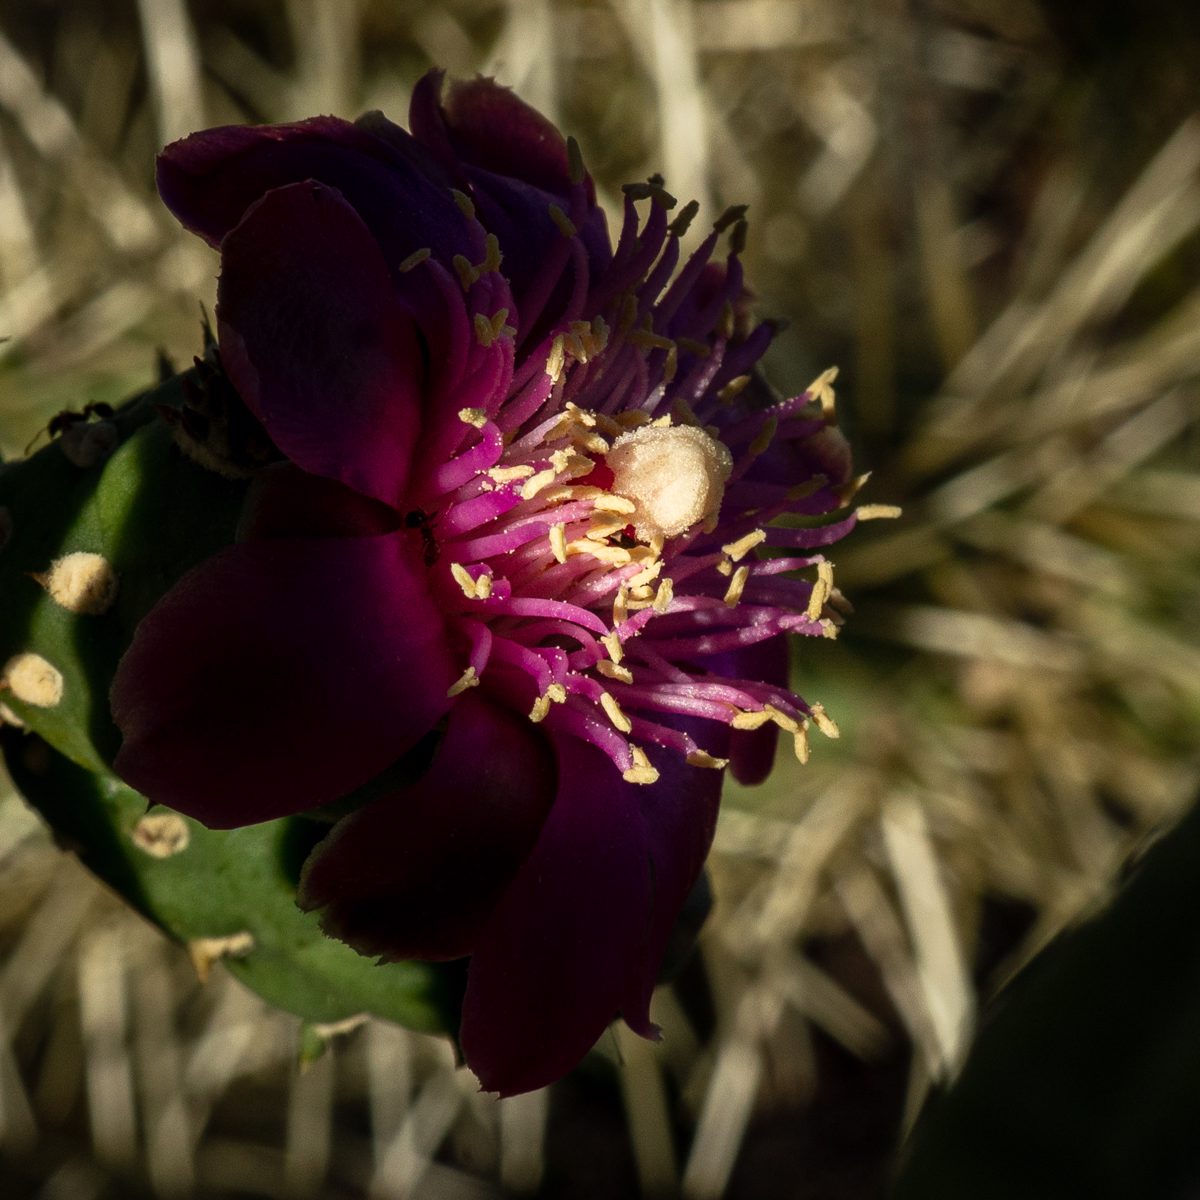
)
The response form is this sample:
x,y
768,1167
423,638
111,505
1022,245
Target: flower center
x,y
675,476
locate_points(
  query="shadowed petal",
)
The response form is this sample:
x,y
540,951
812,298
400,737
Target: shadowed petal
x,y
515,164
414,875
678,817
486,125
285,502
210,179
315,341
279,675
555,962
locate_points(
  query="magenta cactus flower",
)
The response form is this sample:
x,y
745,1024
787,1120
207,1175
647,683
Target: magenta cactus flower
x,y
528,533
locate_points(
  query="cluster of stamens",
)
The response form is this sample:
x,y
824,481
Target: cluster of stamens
x,y
601,538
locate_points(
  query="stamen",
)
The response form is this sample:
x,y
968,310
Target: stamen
x,y
607,502
612,671
609,703
647,575
664,596
508,474
464,579
739,549
702,758
473,416
621,609
785,722
535,483
558,542
800,743
878,512
492,256
733,389
612,643
604,530
467,274
554,694
465,204
490,329
763,440
650,341
556,359
736,586
468,679
732,214
821,391
415,259
686,215
642,770
824,722
821,590
565,225
750,719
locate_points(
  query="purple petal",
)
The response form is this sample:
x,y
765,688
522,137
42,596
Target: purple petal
x,y
415,874
485,125
285,502
313,338
280,675
678,817
210,179
514,162
567,939
580,936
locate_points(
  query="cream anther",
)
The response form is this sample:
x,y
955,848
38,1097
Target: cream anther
x,y
820,591
642,771
468,679
675,475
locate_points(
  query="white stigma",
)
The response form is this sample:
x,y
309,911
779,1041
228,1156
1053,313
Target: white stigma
x,y
675,475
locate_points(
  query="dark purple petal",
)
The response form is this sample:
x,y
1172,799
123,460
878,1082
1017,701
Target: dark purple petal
x,y
279,675
678,817
286,502
210,179
485,125
565,945
315,341
514,163
414,875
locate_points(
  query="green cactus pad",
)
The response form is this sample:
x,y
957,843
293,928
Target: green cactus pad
x,y
152,514
233,887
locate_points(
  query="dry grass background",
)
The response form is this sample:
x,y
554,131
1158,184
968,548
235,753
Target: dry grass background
x,y
989,215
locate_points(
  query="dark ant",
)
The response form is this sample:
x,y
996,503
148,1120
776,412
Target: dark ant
x,y
421,520
68,419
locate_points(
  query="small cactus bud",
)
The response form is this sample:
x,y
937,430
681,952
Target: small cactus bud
x,y
33,680
81,583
